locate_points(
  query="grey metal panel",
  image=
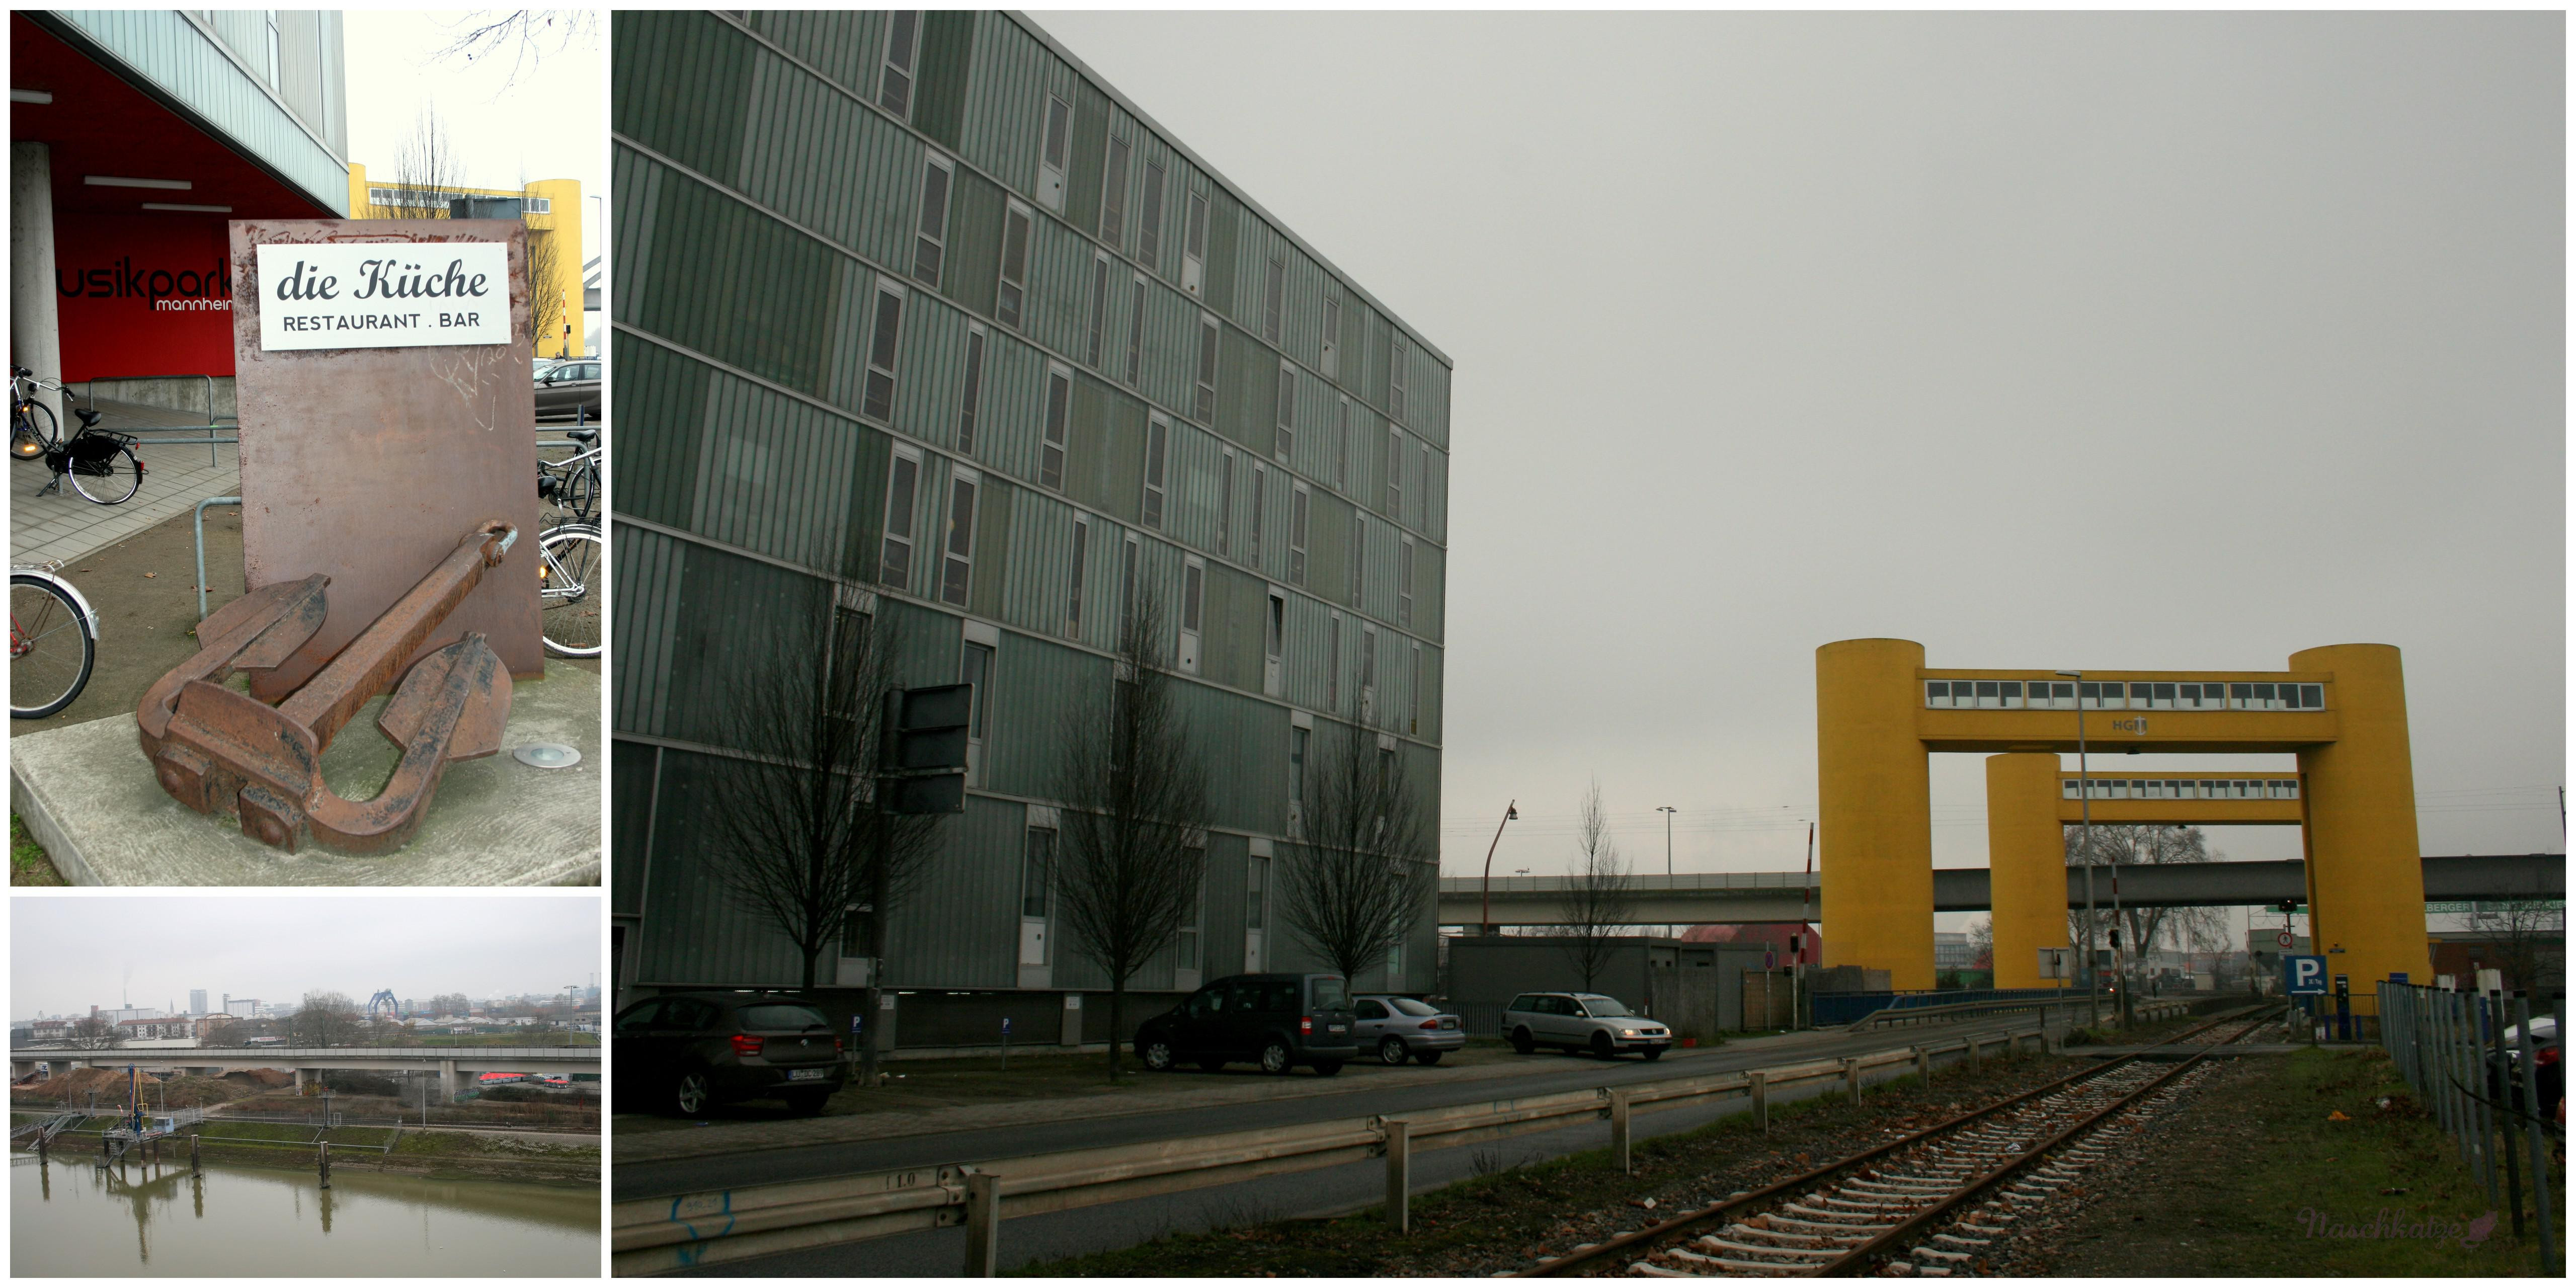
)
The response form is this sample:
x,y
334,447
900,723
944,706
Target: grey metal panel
x,y
846,46
1006,110
646,573
1430,590
1222,905
771,477
930,370
1035,682
828,163
716,942
164,47
1059,304
1036,594
959,928
1012,416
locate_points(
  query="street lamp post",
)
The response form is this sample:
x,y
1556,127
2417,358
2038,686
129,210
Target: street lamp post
x,y
1668,811
2084,793
1485,926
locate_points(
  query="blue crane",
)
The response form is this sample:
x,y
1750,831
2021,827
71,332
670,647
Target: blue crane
x,y
384,998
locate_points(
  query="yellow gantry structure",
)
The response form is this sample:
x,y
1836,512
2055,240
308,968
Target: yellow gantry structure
x,y
1880,714
551,208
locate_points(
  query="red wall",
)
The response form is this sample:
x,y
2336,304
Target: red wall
x,y
116,280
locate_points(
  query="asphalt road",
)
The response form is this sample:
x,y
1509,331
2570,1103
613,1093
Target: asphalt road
x,y
1548,1073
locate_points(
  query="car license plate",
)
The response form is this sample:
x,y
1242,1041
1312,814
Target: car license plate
x,y
807,1075
1334,1028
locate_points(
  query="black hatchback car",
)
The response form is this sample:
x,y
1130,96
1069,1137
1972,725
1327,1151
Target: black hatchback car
x,y
1276,1021
684,1052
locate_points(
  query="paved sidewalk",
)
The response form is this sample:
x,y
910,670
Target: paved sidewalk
x,y
65,527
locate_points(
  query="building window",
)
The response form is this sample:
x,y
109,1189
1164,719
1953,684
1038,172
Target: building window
x,y
1113,193
1298,737
1422,495
975,668
1333,664
1342,449
958,561
1404,585
849,644
1331,365
1194,245
1283,443
1274,642
1128,559
1395,379
1260,495
1059,407
1073,595
1206,405
276,50
1256,880
878,403
1037,874
1136,333
1413,702
1359,557
1225,504
894,565
1099,307
1394,475
894,88
1059,137
1015,265
1193,588
1158,433
974,396
930,243
1368,667
1274,304
1149,221
1297,505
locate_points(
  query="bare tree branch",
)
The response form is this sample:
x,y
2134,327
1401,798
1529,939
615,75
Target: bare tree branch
x,y
426,173
1133,852
1359,871
523,38
1601,897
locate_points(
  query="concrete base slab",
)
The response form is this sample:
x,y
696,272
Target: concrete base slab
x,y
88,796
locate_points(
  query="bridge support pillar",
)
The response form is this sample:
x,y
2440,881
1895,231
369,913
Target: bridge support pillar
x,y
2026,865
2365,867
447,1080
1874,794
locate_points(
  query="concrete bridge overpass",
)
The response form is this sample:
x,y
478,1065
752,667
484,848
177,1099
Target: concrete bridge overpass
x,y
1695,898
451,1064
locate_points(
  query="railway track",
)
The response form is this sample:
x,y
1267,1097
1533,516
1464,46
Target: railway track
x,y
1935,1202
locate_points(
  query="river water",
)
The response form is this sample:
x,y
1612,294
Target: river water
x,y
67,1217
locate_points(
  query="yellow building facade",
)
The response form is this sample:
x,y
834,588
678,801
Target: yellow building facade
x,y
1881,713
552,212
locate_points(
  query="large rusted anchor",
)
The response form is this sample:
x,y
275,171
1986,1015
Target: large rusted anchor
x,y
222,752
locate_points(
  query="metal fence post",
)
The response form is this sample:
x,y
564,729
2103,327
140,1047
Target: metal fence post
x,y
1399,1175
1619,1134
2536,1136
983,1225
1851,1077
1761,1099
1923,1066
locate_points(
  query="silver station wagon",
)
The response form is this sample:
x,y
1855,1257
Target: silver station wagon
x,y
1590,1022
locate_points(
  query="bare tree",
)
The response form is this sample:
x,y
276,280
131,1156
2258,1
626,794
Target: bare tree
x,y
2143,929
325,1019
94,1033
427,171
545,298
2529,938
522,38
1600,895
1133,850
1981,943
798,834
1360,872
449,1004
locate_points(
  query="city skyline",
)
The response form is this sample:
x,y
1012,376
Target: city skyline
x,y
478,947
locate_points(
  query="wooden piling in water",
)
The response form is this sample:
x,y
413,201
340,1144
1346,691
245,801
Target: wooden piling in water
x,y
326,1164
193,1169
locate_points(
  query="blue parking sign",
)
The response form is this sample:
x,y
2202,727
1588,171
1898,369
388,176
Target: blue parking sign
x,y
2303,976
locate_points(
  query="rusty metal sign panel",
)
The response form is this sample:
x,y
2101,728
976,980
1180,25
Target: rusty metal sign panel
x,y
363,464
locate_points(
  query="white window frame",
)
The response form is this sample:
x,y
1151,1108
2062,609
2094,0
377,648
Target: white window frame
x,y
970,404
894,536
928,242
889,67
1225,502
1193,603
1395,379
1300,502
1073,592
885,347
1114,159
1274,304
1056,431
1205,404
1342,449
1413,704
1194,232
1034,947
1300,751
1422,491
1359,560
979,716
955,564
1099,308
1149,217
1404,584
1055,150
1260,498
1011,297
1136,332
1395,474
1333,662
1131,565
1368,669
1283,439
1274,642
1331,361
1158,452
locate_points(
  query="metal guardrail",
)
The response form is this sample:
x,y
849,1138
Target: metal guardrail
x,y
201,547
651,1236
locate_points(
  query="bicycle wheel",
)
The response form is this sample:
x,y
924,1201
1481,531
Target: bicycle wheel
x,y
581,492
568,598
32,422
112,480
51,648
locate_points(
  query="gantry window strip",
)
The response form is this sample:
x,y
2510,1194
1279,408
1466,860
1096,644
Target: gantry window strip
x,y
1339,278
954,461
2184,789
2118,695
885,273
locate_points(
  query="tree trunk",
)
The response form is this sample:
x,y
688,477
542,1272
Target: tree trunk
x,y
1117,1022
871,999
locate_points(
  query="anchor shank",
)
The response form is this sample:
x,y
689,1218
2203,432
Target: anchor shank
x,y
369,663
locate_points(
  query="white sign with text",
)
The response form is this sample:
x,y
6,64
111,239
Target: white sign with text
x,y
383,295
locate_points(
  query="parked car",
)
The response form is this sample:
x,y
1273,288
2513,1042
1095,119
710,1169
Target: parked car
x,y
1276,1021
1403,1028
570,386
682,1053
1590,1022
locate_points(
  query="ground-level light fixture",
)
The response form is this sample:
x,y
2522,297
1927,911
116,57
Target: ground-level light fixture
x,y
547,755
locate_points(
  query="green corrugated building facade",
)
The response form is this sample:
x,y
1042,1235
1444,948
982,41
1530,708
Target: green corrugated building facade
x,y
865,258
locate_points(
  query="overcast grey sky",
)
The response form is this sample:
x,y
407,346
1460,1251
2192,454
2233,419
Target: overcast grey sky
x,y
67,954
2100,340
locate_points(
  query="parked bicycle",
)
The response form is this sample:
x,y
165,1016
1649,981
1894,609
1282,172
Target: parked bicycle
x,y
571,554
100,463
53,641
